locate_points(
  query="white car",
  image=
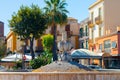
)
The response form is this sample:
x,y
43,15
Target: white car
x,y
94,67
2,68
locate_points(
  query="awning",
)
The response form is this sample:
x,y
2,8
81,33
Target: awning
x,y
85,54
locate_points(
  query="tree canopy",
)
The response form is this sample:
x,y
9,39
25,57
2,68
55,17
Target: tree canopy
x,y
56,9
47,41
28,23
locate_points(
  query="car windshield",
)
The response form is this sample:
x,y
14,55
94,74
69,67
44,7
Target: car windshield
x,y
94,67
2,67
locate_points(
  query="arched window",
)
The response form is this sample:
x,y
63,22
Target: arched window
x,y
81,32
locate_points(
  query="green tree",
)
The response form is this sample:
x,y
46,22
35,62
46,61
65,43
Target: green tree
x,y
28,23
56,11
47,42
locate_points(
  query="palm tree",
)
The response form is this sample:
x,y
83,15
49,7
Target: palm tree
x,y
56,12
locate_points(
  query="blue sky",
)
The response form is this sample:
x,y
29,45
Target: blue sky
x,y
77,9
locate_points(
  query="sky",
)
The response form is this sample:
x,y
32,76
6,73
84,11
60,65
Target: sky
x,y
78,9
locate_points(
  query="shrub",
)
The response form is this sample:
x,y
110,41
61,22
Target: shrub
x,y
18,65
45,58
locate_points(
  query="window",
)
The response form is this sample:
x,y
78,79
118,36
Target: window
x,y
92,16
81,32
100,47
82,45
95,28
86,44
86,30
114,44
100,31
107,46
67,27
99,11
92,34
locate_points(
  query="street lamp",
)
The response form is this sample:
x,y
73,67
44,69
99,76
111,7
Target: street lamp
x,y
64,47
16,55
23,55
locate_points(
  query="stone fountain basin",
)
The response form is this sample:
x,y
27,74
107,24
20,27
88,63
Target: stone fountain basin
x,y
63,66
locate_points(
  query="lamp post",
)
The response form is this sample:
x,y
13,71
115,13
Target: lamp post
x,y
64,47
23,55
16,55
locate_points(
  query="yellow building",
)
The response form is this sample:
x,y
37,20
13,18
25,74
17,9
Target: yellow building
x,y
14,44
11,41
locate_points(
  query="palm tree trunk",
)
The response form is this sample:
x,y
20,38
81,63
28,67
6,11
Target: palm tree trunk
x,y
31,48
55,44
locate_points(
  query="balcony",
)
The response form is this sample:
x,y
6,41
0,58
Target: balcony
x,y
90,41
90,24
98,20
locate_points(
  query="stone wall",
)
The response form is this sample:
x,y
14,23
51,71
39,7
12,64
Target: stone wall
x,y
60,76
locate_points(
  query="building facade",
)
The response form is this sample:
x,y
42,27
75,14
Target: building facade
x,y
1,29
104,30
103,22
71,29
83,34
95,23
2,37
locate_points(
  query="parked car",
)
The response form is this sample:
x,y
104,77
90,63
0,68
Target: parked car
x,y
94,67
2,68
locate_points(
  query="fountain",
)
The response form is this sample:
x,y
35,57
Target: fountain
x,y
64,63
64,47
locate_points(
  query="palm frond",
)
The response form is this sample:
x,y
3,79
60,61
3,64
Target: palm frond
x,y
57,12
48,3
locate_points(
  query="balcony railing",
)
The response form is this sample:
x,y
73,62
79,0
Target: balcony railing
x,y
90,24
98,20
90,41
